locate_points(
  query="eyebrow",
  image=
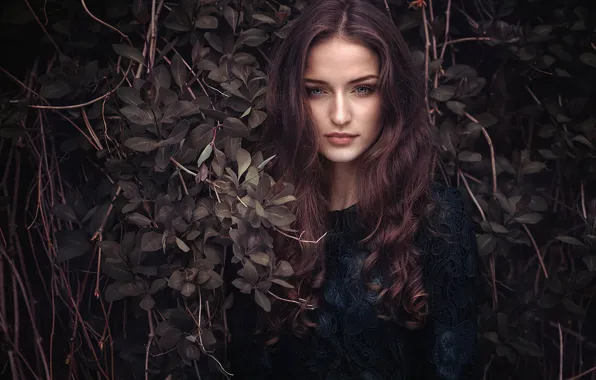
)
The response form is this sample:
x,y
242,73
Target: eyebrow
x,y
318,81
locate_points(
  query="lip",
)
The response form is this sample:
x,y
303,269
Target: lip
x,y
340,139
341,135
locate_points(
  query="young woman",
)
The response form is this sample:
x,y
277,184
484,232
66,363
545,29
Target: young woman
x,y
389,292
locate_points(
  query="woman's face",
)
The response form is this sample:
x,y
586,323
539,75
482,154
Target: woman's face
x,y
341,85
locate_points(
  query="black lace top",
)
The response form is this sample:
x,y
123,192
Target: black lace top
x,y
350,341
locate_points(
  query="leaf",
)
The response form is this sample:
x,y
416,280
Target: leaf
x,y
443,93
151,241
529,218
207,22
129,52
71,244
590,261
142,144
188,351
570,240
55,90
460,71
281,282
284,269
588,58
467,156
249,272
486,244
264,18
252,37
177,20
573,307
244,286
532,167
138,116
205,154
139,220
188,289
110,249
231,16
235,127
262,300
456,107
64,212
525,347
117,270
178,133
179,70
256,118
260,258
280,216
182,245
147,302
157,285
243,160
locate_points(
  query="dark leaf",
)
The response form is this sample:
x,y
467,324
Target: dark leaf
x,y
188,351
130,95
256,118
284,269
253,37
188,289
182,245
231,16
64,212
55,90
177,20
151,241
249,272
162,76
588,58
139,219
281,282
142,144
71,244
179,70
486,244
443,93
262,300
467,156
178,133
147,302
529,218
137,115
207,22
117,270
456,107
157,285
129,52
110,249
260,258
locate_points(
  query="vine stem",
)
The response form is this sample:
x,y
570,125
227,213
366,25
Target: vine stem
x,y
43,27
149,341
103,22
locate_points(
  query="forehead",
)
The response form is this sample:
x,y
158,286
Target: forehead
x,y
339,60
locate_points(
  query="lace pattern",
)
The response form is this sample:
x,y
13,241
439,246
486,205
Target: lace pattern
x,y
350,342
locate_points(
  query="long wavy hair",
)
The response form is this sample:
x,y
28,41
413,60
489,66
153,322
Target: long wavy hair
x,y
395,175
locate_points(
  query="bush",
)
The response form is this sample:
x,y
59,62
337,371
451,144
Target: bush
x,y
132,132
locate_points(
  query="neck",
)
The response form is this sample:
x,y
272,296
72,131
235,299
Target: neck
x,y
343,185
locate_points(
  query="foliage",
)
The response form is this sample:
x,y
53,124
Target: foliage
x,y
135,137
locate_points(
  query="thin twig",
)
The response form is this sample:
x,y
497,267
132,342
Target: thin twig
x,y
300,240
536,249
104,23
43,27
560,352
492,151
301,303
464,39
471,194
149,341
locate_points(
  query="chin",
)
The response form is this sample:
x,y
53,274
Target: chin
x,y
341,158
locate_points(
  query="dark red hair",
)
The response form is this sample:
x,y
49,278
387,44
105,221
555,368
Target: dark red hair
x,y
395,173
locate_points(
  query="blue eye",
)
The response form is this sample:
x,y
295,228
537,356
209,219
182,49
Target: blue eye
x,y
363,90
314,91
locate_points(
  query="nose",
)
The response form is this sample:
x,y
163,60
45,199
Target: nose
x,y
340,112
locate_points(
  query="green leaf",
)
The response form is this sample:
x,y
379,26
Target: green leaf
x,y
129,52
142,144
443,93
71,244
253,37
262,300
151,241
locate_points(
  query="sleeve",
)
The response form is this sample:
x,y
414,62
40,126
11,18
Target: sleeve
x,y
248,355
452,282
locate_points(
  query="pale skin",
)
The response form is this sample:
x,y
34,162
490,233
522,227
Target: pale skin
x,y
341,78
